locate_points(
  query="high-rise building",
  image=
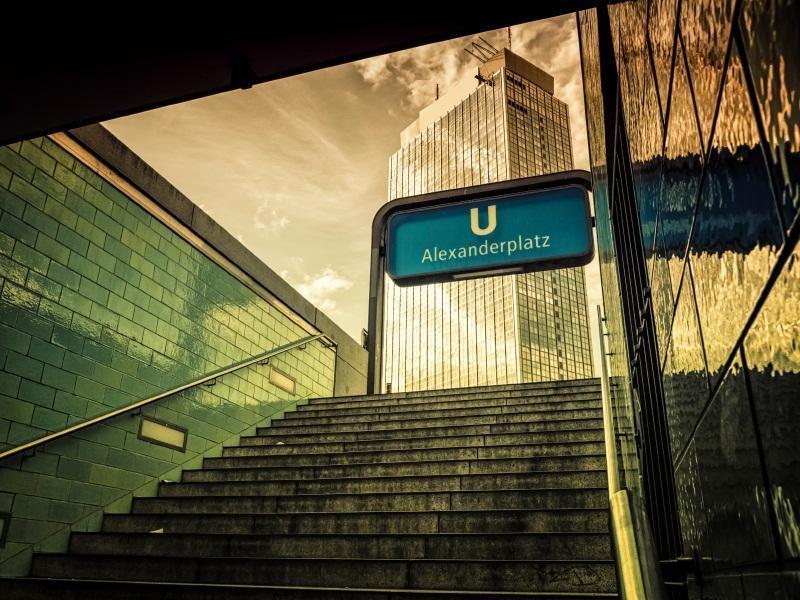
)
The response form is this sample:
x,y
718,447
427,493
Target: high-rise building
x,y
504,123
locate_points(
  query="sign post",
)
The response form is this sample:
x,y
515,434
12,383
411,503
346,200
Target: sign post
x,y
519,226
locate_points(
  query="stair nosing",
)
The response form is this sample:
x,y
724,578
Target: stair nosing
x,y
406,462
387,477
565,395
404,438
267,587
280,423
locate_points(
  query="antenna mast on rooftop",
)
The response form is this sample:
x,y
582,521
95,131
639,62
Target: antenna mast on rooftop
x,y
509,37
482,50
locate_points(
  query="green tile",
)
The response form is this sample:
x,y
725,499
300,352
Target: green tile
x,y
154,341
11,203
77,243
66,512
20,433
47,184
161,310
13,271
14,409
79,365
36,393
57,152
90,289
13,339
102,203
76,301
120,306
6,244
16,163
5,177
20,297
87,493
80,207
27,256
114,340
40,284
91,232
136,296
17,229
40,221
104,316
73,469
89,176
63,275
128,273
86,327
83,266
142,265
54,487
48,419
114,229
67,339
37,157
70,180
69,403
117,249
130,329
144,318
155,257
58,378
55,312
29,532
111,282
46,352
139,351
92,453
97,352
88,388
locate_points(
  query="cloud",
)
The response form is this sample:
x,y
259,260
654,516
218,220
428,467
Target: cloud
x,y
319,289
268,219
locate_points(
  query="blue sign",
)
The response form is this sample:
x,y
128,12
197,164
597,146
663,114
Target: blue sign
x,y
515,233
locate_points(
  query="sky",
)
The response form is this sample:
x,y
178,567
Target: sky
x,y
296,168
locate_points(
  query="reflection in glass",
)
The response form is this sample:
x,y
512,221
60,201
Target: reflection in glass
x,y
691,508
731,480
706,27
661,31
773,360
737,234
769,29
685,382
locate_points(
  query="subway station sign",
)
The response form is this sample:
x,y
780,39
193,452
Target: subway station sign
x,y
496,235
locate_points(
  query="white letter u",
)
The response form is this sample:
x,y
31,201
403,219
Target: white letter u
x,y
474,221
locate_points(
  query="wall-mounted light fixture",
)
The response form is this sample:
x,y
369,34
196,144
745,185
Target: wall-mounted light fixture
x,y
163,433
282,380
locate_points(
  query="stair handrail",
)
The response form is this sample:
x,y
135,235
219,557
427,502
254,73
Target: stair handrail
x,y
638,572
139,404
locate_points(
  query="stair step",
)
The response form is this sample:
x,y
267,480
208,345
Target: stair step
x,y
421,454
439,428
586,497
459,546
534,421
426,441
582,408
515,575
377,403
548,402
495,521
443,467
367,485
72,589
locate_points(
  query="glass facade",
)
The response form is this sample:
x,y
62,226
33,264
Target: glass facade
x,y
709,115
505,329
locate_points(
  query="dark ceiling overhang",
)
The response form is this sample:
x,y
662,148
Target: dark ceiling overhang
x,y
58,77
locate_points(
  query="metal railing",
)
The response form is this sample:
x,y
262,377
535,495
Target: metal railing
x,y
638,571
139,404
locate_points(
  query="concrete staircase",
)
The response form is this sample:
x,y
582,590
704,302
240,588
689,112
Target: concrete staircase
x,y
495,492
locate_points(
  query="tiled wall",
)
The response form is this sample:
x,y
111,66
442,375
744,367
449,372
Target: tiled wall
x,y
710,93
101,304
